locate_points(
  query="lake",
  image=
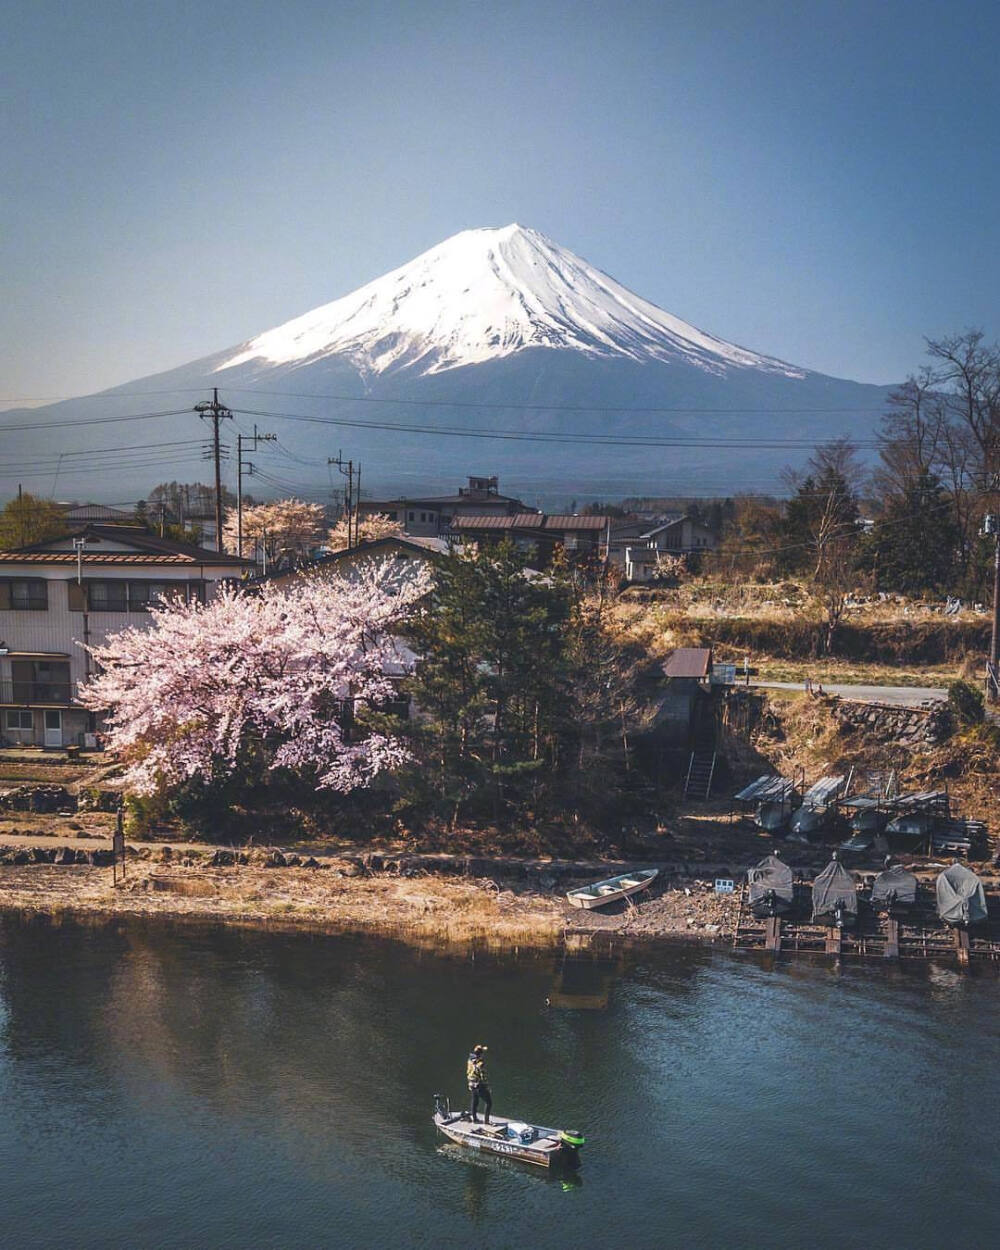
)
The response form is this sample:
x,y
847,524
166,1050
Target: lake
x,y
195,1088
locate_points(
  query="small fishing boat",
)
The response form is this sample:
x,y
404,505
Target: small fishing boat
x,y
866,814
514,1139
894,890
611,890
835,897
912,826
819,807
771,888
961,900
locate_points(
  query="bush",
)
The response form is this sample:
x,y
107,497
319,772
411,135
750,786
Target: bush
x,y
967,703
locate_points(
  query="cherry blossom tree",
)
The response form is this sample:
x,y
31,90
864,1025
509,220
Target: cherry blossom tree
x,y
370,528
272,677
286,529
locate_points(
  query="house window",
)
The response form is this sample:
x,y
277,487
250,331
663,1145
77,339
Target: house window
x,y
30,595
142,594
108,596
412,516
19,718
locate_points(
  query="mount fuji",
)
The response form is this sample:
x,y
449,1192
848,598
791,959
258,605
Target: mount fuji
x,y
584,387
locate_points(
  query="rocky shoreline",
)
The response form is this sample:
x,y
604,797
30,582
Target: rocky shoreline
x,y
429,900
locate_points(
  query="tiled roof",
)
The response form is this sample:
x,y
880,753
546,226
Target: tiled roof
x,y
128,536
111,557
529,521
576,522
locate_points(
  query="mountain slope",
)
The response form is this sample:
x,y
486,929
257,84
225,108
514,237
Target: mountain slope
x,y
484,295
494,331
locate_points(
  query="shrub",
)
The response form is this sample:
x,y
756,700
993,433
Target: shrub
x,y
966,702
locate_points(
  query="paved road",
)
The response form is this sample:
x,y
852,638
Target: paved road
x,y
904,696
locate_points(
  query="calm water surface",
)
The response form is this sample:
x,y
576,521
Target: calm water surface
x,y
167,1088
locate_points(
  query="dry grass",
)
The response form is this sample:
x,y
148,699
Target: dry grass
x,y
428,911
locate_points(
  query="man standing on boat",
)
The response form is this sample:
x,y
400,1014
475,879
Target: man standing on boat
x,y
475,1071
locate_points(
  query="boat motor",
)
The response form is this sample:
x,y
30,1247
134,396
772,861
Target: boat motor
x,y
442,1106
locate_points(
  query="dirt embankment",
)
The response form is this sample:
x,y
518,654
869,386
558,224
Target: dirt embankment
x,y
937,642
425,900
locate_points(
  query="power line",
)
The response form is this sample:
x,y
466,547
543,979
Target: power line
x,y
62,425
474,404
531,436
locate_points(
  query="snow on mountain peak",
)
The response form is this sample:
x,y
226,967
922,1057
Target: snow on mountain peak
x,y
485,294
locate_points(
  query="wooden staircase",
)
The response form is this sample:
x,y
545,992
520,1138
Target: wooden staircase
x,y
701,770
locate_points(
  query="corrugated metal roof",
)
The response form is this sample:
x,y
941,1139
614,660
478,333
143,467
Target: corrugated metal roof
x,y
689,662
823,792
771,787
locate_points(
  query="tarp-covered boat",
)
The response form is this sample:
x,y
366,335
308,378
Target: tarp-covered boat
x,y
961,899
835,896
771,887
894,889
611,890
530,1143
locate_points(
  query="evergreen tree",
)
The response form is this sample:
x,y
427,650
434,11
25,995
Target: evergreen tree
x,y
491,682
913,547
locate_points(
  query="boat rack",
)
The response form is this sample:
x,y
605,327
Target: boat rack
x,y
917,934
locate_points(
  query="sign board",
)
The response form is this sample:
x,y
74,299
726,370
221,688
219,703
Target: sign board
x,y
723,675
723,885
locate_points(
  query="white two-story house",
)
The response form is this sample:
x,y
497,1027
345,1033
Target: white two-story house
x,y
57,595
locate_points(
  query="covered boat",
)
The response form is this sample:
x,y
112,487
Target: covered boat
x,y
771,888
961,899
835,896
614,888
515,1139
818,808
866,814
894,889
912,825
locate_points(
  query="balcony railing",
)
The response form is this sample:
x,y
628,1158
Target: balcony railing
x,y
37,693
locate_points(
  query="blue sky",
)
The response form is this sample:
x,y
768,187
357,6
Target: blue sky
x,y
818,181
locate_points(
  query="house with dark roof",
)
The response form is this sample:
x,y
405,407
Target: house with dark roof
x,y
636,545
536,533
78,589
431,516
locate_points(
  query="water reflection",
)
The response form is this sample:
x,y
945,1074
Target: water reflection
x,y
583,983
182,1088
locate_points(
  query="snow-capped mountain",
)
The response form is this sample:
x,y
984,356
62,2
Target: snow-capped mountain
x,y
484,295
466,360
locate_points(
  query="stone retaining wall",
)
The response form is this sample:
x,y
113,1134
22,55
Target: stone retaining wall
x,y
913,727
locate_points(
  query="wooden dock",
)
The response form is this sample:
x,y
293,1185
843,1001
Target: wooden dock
x,y
918,934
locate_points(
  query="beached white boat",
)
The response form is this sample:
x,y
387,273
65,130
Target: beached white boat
x,y
611,890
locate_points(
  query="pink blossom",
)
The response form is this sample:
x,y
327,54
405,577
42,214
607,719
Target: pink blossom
x,y
181,697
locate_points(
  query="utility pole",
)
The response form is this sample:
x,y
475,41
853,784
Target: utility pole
x,y
357,511
212,410
347,469
991,526
20,511
240,466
